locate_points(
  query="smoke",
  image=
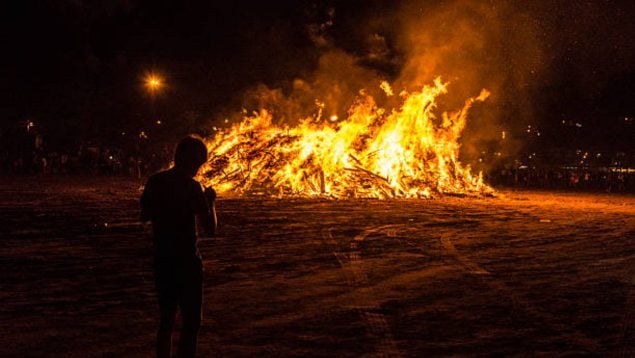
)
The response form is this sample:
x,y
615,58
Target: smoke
x,y
472,44
330,90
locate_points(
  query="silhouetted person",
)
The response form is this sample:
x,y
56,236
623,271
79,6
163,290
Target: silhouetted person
x,y
175,203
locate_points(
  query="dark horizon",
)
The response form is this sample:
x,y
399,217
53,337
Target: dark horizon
x,y
76,69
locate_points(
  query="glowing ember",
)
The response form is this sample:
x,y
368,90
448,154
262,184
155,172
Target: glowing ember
x,y
406,152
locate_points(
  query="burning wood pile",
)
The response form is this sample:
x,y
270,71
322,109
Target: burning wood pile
x,y
373,153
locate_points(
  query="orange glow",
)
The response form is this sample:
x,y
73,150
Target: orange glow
x,y
153,82
405,152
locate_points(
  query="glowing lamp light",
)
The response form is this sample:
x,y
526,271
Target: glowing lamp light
x,y
153,82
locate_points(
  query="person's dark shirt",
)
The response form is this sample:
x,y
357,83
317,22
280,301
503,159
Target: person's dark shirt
x,y
171,200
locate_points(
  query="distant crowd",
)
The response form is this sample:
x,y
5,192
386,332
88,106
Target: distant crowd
x,y
608,179
27,155
85,159
90,159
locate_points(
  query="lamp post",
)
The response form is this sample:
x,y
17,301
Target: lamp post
x,y
154,83
155,86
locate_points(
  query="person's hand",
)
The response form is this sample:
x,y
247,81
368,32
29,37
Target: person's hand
x,y
210,194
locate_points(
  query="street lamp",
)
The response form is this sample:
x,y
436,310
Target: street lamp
x,y
153,83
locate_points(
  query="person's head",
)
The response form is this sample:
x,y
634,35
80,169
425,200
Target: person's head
x,y
190,154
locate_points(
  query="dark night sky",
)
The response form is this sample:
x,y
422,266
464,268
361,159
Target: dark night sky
x,y
76,67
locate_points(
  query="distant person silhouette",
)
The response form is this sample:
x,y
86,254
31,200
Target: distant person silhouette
x,y
177,206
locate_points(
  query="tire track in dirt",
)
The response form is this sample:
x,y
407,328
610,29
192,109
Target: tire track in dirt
x,y
467,264
351,264
519,303
367,306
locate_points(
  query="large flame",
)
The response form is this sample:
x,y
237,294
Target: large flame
x,y
407,152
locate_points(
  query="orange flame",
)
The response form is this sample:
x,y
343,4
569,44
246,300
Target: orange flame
x,y
372,153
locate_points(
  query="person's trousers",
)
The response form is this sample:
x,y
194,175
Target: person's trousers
x,y
179,284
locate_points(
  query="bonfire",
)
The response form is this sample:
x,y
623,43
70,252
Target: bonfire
x,y
406,152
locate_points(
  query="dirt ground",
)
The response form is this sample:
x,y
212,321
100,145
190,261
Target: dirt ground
x,y
524,274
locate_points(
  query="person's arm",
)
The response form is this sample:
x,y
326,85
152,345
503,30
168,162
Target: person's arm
x,y
210,196
206,224
206,220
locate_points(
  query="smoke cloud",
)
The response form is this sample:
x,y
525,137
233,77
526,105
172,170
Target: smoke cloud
x,y
474,45
471,44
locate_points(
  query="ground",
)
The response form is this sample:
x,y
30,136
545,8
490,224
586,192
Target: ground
x,y
525,273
